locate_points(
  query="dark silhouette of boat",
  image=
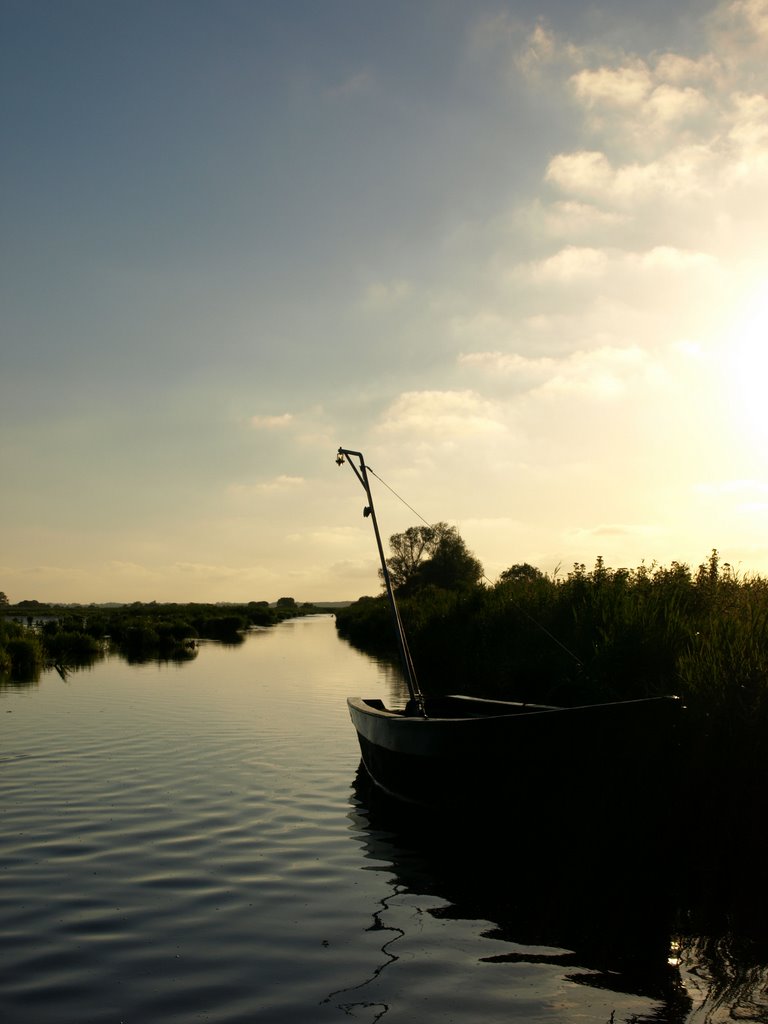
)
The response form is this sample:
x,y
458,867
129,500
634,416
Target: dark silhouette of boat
x,y
607,768
590,762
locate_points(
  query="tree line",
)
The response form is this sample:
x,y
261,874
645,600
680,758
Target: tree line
x,y
34,635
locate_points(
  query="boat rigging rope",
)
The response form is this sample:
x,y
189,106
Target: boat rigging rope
x,y
539,625
400,498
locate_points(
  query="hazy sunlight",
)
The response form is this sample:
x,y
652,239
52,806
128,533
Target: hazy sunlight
x,y
746,364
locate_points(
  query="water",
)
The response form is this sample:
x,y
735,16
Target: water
x,y
192,843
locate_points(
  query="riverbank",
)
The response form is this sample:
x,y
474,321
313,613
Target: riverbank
x,y
34,635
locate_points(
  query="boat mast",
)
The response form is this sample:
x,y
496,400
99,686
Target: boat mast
x,y
346,455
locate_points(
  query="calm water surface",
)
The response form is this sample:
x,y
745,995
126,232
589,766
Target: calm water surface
x,y
190,843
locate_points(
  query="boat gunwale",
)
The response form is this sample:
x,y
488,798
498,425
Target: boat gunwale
x,y
376,707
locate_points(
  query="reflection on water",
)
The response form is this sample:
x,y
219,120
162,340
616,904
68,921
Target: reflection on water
x,y
584,919
726,977
596,928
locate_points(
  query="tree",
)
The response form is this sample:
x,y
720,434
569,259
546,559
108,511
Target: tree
x,y
409,549
431,556
521,572
4,602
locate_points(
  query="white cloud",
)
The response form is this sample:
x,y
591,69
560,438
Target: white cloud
x,y
679,69
683,171
444,415
529,372
207,571
682,127
583,172
278,483
272,422
573,218
668,104
748,138
615,87
669,258
573,263
601,374
753,15
539,50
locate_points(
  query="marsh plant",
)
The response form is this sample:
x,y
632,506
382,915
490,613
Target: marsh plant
x,y
603,634
34,636
599,634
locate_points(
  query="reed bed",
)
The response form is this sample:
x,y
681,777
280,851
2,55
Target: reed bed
x,y
617,634
34,636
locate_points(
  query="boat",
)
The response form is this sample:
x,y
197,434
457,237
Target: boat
x,y
608,767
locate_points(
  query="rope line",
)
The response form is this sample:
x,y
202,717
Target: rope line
x,y
398,496
539,625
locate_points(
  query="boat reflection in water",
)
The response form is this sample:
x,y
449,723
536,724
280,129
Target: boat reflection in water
x,y
599,918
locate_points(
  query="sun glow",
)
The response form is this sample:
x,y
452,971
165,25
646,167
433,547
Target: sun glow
x,y
746,368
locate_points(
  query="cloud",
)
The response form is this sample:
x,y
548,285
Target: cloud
x,y
272,422
583,263
516,50
755,14
629,102
443,414
571,218
668,104
667,257
616,87
739,30
683,171
540,50
680,69
330,536
586,172
679,127
56,572
208,572
569,264
278,483
526,371
602,374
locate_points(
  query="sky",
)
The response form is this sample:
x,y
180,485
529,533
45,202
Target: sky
x,y
516,253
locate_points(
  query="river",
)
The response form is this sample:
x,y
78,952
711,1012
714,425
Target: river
x,y
191,842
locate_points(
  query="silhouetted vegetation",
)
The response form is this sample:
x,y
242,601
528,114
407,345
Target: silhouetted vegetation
x,y
34,635
600,634
431,556
594,635
617,634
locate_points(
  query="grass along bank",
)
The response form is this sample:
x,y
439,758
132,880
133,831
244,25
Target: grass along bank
x,y
35,635
618,634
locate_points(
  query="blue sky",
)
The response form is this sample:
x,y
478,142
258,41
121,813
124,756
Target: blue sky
x,y
514,252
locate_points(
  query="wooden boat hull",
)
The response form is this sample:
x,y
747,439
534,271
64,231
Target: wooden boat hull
x,y
592,763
